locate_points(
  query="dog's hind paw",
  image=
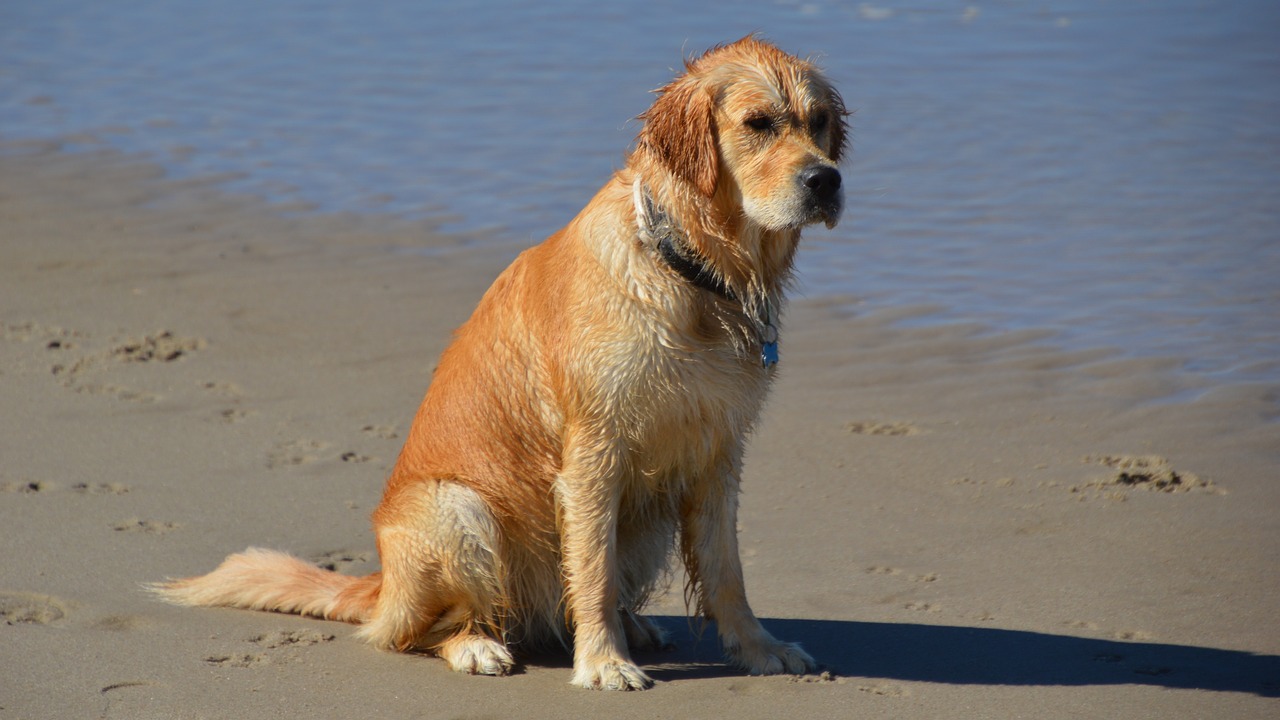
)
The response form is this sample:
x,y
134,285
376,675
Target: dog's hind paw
x,y
643,633
477,655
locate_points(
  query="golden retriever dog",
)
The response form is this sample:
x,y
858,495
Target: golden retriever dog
x,y
587,422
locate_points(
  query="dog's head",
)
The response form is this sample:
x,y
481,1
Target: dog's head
x,y
749,122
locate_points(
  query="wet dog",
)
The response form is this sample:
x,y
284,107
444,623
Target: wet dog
x,y
587,423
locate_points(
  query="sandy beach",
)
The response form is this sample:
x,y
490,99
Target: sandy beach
x,y
956,523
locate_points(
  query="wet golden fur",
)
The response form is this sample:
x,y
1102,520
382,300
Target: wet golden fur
x,y
587,423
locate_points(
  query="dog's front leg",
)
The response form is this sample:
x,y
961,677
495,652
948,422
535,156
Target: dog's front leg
x,y
589,492
709,542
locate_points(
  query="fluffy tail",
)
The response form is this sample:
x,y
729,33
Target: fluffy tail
x,y
258,579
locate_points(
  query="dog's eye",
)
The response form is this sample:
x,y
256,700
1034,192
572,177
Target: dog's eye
x,y
759,123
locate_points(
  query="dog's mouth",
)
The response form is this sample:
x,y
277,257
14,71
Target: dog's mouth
x,y
829,216
826,212
824,197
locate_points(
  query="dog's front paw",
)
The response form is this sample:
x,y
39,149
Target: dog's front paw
x,y
772,657
610,674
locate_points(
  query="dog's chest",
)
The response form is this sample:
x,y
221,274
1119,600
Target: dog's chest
x,y
684,403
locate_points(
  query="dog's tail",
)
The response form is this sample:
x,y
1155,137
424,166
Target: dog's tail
x,y
258,579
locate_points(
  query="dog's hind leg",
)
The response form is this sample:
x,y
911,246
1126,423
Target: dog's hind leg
x,y
442,586
642,632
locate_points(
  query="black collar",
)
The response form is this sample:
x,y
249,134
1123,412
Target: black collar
x,y
691,268
659,226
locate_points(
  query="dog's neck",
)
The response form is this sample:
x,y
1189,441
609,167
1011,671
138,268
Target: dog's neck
x,y
667,239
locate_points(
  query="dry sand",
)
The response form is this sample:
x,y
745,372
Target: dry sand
x,y
958,524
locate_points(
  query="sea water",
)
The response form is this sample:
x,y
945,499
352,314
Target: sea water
x,y
1107,171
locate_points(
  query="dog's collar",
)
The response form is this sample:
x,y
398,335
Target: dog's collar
x,y
659,228
655,223
690,268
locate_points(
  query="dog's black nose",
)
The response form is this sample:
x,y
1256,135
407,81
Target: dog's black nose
x,y
823,181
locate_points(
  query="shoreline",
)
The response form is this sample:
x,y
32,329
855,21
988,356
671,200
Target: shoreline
x,y
937,512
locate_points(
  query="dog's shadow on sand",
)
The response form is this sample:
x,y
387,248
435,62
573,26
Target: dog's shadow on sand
x,y
976,656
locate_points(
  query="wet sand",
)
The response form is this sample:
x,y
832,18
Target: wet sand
x,y
956,523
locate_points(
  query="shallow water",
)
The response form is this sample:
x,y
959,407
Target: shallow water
x,y
1106,170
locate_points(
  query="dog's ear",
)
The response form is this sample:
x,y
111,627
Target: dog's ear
x,y
840,128
680,129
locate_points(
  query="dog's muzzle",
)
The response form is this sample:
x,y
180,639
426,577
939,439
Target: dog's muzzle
x,y
823,196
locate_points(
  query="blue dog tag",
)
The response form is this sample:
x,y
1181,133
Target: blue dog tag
x,y
769,336
769,354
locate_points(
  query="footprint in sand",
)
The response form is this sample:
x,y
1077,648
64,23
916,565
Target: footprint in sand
x,y
1128,635
118,392
293,453
160,347
100,488
118,623
291,638
279,642
884,690
147,527
238,660
228,391
223,389
54,337
892,429
78,375
31,487
19,608
339,560
233,415
1152,473
386,432
884,570
26,487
